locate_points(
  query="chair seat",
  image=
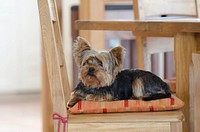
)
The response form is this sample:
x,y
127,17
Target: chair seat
x,y
129,122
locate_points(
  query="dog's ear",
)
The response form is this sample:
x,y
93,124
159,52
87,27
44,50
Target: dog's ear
x,y
118,55
80,47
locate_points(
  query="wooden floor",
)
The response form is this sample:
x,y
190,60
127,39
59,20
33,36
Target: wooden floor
x,y
20,113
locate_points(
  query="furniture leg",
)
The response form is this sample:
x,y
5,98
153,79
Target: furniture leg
x,y
176,127
46,100
88,11
54,60
185,44
195,93
139,46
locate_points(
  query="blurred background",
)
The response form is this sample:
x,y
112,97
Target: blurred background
x,y
20,65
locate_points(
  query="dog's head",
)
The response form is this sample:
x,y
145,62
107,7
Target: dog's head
x,y
97,68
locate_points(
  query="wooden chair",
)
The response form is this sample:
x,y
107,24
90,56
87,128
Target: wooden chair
x,y
158,10
60,90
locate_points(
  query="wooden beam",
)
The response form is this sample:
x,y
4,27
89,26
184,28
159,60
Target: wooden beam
x,y
195,93
59,9
47,109
93,10
167,116
84,14
140,51
185,45
140,41
143,28
52,48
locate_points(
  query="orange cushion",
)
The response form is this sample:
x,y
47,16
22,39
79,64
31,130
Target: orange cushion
x,y
172,103
172,84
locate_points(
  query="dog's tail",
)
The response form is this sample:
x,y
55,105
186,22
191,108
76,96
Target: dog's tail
x,y
167,94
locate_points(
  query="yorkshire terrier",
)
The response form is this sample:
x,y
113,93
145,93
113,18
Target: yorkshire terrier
x,y
102,78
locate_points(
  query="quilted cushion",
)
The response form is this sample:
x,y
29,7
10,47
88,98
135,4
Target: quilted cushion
x,y
172,103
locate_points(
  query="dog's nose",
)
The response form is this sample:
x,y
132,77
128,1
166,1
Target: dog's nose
x,y
91,71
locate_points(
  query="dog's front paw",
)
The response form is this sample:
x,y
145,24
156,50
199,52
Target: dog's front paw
x,y
74,98
70,104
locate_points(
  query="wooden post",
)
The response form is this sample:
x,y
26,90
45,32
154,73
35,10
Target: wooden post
x,y
195,93
56,67
185,45
47,108
93,10
47,122
139,15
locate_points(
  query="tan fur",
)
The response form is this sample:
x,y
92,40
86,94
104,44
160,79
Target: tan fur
x,y
118,54
92,97
79,49
138,87
109,97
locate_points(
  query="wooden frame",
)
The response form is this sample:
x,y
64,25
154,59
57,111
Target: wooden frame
x,y
145,9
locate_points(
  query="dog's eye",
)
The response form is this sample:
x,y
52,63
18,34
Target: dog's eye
x,y
101,64
84,63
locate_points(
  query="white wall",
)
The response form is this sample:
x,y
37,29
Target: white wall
x,y
20,54
67,33
20,48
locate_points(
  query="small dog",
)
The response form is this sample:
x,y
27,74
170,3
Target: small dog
x,y
102,78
